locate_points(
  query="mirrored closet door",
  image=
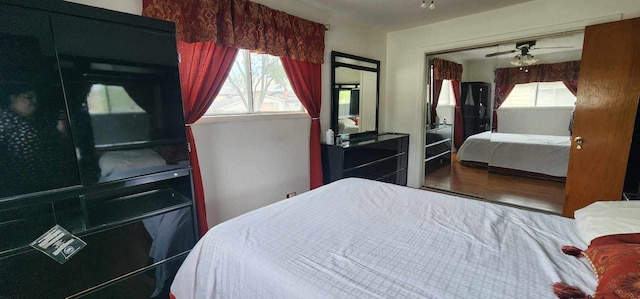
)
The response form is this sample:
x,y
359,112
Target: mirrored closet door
x,y
499,120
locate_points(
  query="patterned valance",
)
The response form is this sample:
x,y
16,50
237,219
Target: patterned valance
x,y
562,71
242,24
446,70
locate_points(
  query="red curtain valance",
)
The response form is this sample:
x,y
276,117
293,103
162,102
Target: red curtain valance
x,y
242,24
562,71
446,70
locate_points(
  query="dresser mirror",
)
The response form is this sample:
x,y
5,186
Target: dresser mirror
x,y
499,119
354,99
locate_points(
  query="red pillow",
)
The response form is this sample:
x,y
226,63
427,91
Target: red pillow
x,y
616,261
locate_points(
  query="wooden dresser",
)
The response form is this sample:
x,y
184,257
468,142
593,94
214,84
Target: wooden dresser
x,y
382,157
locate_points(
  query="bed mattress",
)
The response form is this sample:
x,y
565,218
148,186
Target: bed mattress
x,y
364,239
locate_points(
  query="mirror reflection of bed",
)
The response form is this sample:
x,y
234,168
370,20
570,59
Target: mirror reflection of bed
x,y
506,127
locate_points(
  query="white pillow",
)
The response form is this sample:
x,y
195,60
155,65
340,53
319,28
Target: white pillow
x,y
348,122
603,218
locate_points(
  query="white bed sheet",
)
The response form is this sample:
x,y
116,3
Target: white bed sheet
x,y
543,154
364,239
476,148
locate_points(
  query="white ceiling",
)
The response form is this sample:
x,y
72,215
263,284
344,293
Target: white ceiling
x,y
393,15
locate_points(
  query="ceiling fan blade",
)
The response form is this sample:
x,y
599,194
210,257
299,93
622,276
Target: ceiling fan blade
x,y
567,47
500,53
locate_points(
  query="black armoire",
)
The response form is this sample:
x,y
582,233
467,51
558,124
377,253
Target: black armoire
x,y
476,111
92,139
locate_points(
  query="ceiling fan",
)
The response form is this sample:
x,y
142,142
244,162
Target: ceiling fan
x,y
523,57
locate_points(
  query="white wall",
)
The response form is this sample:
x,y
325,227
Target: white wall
x,y
127,6
367,92
250,164
406,49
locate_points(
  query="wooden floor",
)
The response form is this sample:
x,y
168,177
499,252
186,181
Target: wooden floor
x,y
532,193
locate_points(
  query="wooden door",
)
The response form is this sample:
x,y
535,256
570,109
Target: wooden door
x,y
608,93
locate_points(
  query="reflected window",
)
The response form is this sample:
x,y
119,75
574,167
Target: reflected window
x,y
109,99
540,94
446,94
344,102
257,83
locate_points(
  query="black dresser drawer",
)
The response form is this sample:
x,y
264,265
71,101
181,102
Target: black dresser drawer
x,y
382,157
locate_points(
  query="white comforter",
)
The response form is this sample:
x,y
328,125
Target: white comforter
x,y
476,148
544,154
533,153
363,239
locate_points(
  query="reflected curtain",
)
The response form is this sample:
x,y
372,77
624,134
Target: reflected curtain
x,y
502,92
572,86
306,81
458,132
447,70
437,88
204,67
507,78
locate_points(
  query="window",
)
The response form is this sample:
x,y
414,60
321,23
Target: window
x,y
446,94
108,99
257,83
542,94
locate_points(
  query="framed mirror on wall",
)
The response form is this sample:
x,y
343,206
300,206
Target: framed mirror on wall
x,y
505,120
355,95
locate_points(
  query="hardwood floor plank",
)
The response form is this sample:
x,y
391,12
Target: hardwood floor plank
x,y
533,193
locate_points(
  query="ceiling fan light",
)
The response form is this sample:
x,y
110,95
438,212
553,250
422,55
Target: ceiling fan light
x,y
424,4
517,60
529,59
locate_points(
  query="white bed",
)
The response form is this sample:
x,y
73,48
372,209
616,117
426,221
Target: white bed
x,y
533,154
347,126
363,239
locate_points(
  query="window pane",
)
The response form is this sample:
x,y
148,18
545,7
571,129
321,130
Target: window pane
x,y
564,97
552,94
523,95
234,95
344,102
545,97
446,94
107,99
272,91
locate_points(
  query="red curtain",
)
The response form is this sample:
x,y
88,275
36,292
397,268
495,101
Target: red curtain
x,y
446,70
203,69
242,24
437,88
306,81
458,128
502,92
196,21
